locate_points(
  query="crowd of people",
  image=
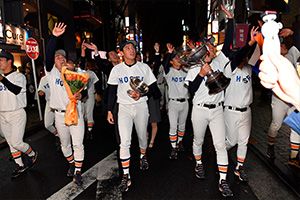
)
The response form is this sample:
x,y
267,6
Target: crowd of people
x,y
169,85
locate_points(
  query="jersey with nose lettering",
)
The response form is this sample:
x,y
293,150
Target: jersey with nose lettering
x,y
44,86
10,101
59,98
121,75
175,79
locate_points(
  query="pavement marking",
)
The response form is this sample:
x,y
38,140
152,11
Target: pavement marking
x,y
103,170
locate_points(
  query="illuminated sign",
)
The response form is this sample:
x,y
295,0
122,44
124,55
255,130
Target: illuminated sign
x,y
15,35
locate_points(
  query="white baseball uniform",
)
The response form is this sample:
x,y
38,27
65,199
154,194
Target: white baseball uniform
x,y
178,106
208,110
70,136
13,116
90,102
131,111
49,114
238,97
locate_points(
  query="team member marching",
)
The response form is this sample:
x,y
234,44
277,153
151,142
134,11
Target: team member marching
x,y
71,137
237,113
208,110
131,110
178,105
44,89
12,113
93,84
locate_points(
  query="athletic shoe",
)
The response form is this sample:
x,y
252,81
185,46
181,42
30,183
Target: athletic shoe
x,y
270,152
199,171
240,172
78,179
224,188
180,146
71,170
32,160
89,135
294,161
173,155
144,165
125,183
16,172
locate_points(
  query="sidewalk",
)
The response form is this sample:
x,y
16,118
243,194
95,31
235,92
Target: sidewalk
x,y
261,120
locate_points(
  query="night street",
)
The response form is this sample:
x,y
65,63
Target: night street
x,y
165,179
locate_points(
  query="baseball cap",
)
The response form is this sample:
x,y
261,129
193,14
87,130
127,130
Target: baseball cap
x,y
60,51
172,56
126,41
7,55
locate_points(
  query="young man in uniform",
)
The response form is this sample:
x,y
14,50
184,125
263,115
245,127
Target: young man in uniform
x,y
44,89
71,137
131,109
237,111
12,113
208,109
178,106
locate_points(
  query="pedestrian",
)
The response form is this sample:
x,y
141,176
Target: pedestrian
x,y
208,109
71,137
49,116
131,110
237,111
12,113
178,106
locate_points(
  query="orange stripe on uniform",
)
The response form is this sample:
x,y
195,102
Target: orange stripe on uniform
x,y
173,138
90,124
271,139
180,134
294,146
28,151
17,154
223,169
198,157
126,164
70,158
55,133
240,159
78,164
143,151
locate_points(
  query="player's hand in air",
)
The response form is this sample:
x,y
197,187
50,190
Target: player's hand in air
x,y
59,29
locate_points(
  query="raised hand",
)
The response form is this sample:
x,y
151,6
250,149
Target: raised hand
x,y
286,32
229,15
170,48
190,43
59,29
156,47
92,46
253,33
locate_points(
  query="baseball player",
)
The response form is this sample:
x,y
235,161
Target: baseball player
x,y
12,113
131,110
281,108
178,106
208,110
93,83
237,112
44,89
71,137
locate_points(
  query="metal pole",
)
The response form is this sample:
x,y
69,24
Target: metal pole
x,y
36,92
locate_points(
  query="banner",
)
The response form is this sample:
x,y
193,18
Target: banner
x,y
241,34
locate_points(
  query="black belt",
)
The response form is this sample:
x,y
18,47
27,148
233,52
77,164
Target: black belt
x,y
210,106
237,109
180,100
60,111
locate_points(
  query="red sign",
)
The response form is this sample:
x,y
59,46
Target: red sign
x,y
241,34
32,48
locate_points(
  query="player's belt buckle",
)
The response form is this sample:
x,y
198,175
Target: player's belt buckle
x,y
60,111
180,100
211,106
238,109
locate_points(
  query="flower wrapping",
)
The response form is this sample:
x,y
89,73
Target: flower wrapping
x,y
74,83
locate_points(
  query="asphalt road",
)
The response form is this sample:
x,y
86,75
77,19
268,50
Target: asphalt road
x,y
165,179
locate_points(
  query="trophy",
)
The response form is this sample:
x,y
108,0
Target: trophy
x,y
216,81
137,85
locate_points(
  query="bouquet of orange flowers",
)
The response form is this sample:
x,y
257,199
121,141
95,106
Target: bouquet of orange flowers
x,y
74,83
